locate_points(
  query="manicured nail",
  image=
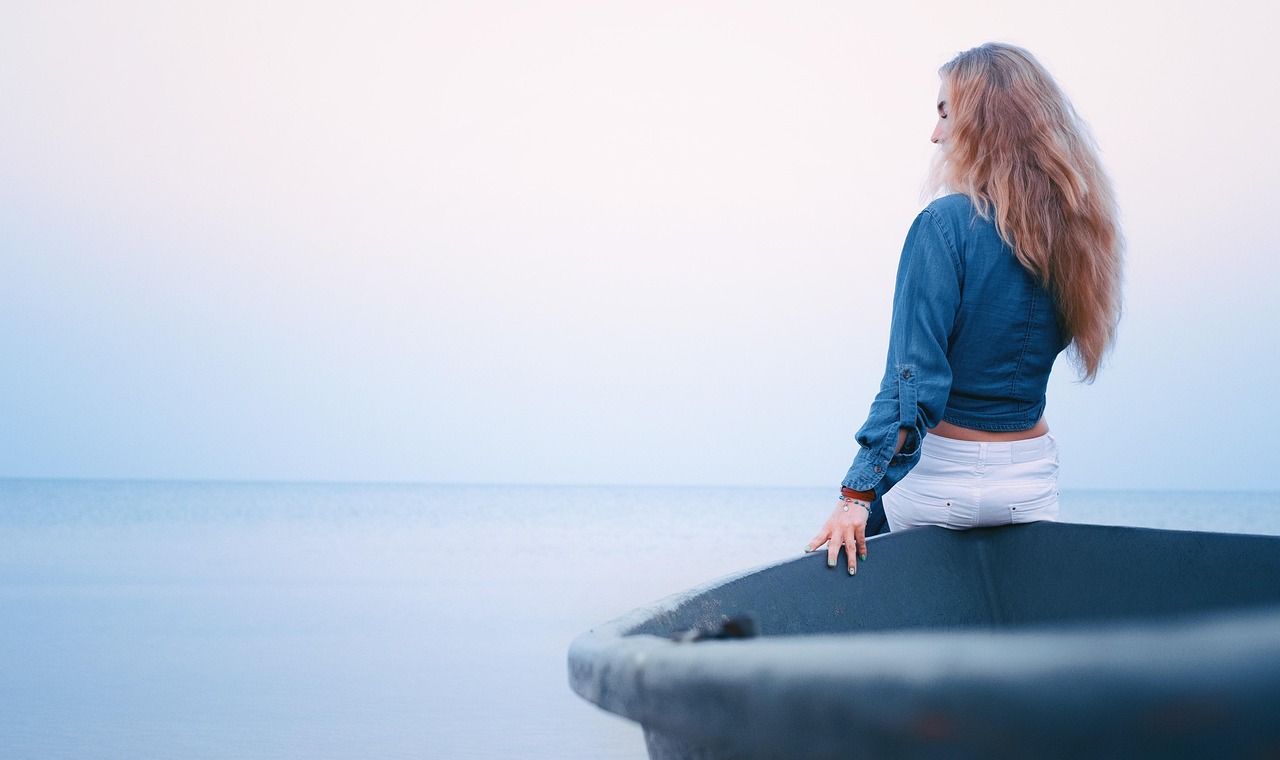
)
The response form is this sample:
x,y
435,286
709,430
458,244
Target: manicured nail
x,y
863,556
808,549
853,571
831,563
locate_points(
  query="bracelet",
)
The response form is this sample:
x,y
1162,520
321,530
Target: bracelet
x,y
850,500
859,495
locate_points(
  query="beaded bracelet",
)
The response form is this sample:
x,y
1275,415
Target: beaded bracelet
x,y
847,501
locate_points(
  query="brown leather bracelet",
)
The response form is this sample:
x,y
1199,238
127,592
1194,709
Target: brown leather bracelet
x,y
867,496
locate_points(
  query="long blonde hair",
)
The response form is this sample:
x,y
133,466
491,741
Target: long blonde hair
x,y
1018,149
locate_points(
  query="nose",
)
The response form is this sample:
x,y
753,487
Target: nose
x,y
937,134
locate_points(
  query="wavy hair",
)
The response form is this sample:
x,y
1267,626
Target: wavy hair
x,y
1018,149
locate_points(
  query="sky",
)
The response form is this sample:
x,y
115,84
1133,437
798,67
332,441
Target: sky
x,y
578,242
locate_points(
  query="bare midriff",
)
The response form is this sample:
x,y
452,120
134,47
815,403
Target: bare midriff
x,y
955,432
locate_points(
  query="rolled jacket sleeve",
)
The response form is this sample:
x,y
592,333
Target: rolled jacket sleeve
x,y
917,378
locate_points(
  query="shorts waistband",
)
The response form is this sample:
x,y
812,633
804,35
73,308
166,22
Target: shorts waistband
x,y
991,452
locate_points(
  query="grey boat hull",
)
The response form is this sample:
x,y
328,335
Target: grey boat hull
x,y
1042,640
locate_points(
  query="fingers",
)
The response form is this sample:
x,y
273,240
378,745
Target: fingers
x,y
848,551
842,531
854,541
818,540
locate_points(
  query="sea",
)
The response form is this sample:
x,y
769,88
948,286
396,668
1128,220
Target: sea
x,y
320,620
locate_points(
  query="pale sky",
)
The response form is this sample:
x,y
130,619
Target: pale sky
x,y
572,242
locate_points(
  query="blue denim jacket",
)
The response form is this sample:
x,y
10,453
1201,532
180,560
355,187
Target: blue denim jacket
x,y
973,338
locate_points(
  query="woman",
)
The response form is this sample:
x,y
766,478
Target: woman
x,y
1021,262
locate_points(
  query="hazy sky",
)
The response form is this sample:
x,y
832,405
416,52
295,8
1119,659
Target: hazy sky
x,y
584,242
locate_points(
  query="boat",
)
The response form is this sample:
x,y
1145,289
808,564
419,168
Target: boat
x,y
1043,640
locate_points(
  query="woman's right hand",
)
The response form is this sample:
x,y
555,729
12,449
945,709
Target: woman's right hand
x,y
847,527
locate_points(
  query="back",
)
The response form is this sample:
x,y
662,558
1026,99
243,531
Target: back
x,y
1006,333
972,341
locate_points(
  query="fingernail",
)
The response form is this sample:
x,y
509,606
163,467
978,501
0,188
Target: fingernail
x,y
831,563
808,549
853,571
862,556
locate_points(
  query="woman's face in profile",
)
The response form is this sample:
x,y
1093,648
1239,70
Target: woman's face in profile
x,y
941,131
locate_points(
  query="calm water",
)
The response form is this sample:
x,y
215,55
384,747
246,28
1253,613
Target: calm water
x,y
216,620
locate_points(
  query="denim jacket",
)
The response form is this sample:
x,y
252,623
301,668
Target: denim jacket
x,y
973,338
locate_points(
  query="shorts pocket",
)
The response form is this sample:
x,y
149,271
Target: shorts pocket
x,y
1043,508
907,509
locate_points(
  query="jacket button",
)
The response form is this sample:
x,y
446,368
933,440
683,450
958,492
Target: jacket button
x,y
906,373
877,468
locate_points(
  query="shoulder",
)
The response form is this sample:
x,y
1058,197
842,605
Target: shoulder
x,y
953,210
958,219
937,233
949,217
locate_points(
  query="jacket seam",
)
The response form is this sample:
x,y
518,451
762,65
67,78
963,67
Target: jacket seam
x,y
952,251
1026,343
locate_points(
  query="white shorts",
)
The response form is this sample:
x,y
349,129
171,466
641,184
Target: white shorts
x,y
971,484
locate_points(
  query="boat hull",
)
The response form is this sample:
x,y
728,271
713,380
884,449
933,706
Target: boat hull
x,y
1039,640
